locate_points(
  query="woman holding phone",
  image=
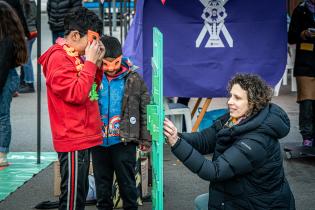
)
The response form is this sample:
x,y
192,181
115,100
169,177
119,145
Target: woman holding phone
x,y
302,33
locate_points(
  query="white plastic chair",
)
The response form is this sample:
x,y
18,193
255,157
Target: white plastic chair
x,y
176,112
289,67
292,49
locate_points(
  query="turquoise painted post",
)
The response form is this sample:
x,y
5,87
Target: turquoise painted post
x,y
155,112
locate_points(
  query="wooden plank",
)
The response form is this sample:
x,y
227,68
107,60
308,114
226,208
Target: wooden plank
x,y
202,114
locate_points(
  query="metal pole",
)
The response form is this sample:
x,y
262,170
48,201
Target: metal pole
x,y
39,40
110,18
114,16
101,11
129,13
125,19
121,22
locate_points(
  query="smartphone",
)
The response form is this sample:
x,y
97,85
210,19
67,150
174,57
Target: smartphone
x,y
92,35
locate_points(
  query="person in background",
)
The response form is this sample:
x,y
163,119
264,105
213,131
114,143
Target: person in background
x,y
18,8
246,171
27,72
12,54
57,10
184,101
302,33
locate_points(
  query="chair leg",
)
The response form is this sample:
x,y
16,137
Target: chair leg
x,y
285,77
178,122
277,88
188,122
293,82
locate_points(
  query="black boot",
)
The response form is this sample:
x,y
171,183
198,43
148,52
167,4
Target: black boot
x,y
28,88
306,120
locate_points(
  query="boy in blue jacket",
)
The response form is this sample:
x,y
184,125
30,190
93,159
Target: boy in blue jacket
x,y
123,97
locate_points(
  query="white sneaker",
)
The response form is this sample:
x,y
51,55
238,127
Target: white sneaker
x,y
3,159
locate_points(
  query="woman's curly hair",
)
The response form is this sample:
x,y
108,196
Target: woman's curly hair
x,y
259,94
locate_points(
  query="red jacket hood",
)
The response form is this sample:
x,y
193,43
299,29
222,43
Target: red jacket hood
x,y
43,59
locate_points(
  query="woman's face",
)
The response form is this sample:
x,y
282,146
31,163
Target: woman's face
x,y
238,102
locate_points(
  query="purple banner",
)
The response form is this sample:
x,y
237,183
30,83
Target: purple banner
x,y
207,41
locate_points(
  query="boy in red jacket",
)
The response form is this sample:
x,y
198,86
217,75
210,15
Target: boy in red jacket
x,y
73,109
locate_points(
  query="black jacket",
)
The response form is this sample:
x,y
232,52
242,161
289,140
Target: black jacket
x,y
135,100
18,8
246,170
30,12
57,10
301,20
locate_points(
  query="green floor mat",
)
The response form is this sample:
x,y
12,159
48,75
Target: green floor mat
x,y
23,166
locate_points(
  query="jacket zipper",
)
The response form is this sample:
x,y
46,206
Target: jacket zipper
x,y
108,102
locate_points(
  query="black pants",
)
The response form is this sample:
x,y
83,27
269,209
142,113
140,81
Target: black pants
x,y
185,101
74,171
307,119
121,159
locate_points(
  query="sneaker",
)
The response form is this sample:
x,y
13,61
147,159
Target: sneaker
x,y
308,142
22,84
3,159
28,88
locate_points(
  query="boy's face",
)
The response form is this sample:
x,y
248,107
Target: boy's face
x,y
78,41
111,65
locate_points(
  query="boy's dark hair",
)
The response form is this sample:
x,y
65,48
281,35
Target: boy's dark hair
x,y
82,20
112,47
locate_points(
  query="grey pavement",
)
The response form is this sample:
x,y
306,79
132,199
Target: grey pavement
x,y
180,185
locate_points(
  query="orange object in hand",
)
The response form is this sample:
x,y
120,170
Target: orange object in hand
x,y
92,35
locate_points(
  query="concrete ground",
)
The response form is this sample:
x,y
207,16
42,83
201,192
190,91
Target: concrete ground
x,y
180,185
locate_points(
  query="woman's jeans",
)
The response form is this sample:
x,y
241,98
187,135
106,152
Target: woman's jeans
x,y
11,85
201,202
28,67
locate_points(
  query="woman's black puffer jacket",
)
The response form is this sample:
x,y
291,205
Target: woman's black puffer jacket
x,y
246,170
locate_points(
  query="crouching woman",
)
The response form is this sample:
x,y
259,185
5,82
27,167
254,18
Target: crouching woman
x,y
246,170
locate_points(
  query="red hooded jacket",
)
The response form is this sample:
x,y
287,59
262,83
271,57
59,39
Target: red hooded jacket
x,y
74,119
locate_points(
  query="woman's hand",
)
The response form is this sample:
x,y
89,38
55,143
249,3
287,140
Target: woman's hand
x,y
170,132
306,34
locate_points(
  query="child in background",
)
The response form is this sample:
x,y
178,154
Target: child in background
x,y
123,97
74,116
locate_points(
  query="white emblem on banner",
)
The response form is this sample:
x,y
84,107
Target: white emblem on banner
x,y
213,16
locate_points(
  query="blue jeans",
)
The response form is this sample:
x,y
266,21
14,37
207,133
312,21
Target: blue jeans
x,y
28,67
201,202
56,34
11,85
